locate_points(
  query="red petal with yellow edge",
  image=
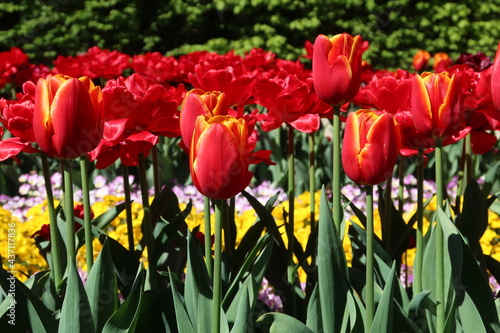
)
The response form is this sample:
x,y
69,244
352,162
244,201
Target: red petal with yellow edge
x,y
217,167
42,123
74,119
421,106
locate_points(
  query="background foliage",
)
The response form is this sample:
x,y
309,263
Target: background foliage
x,y
396,29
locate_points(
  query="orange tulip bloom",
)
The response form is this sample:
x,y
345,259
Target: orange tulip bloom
x,y
436,105
442,62
68,117
371,146
336,67
220,156
421,60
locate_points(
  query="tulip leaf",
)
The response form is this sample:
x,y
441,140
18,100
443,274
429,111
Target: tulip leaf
x,y
313,319
332,270
275,322
259,255
184,323
76,315
382,265
124,263
243,319
382,322
101,289
125,318
103,220
165,204
468,278
30,312
198,292
473,220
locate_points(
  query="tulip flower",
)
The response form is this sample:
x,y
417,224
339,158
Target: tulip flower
x,y
371,146
196,103
219,156
495,80
336,67
442,62
67,120
436,106
421,60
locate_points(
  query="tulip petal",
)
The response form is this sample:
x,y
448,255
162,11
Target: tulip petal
x,y
421,106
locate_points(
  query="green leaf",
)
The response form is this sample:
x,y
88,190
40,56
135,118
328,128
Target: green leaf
x,y
468,278
314,311
332,270
473,220
125,318
184,323
76,315
101,289
382,322
278,323
30,312
125,264
198,292
241,321
103,220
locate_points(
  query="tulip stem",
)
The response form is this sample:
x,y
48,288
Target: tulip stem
x,y
337,170
128,208
370,303
291,204
419,259
208,237
439,241
55,240
156,170
312,187
217,280
147,222
69,213
87,218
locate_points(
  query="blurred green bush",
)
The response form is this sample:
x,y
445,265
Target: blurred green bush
x,y
396,29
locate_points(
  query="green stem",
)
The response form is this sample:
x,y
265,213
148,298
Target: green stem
x,y
156,170
337,170
87,220
419,258
439,242
386,225
291,204
208,237
370,303
147,222
69,213
55,244
217,280
401,188
128,208
312,182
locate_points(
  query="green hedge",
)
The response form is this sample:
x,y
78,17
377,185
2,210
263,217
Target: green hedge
x,y
395,29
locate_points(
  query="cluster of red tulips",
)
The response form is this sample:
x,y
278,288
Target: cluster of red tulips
x,y
67,115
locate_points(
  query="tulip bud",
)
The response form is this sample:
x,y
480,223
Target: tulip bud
x,y
371,146
336,67
219,156
421,60
68,118
436,105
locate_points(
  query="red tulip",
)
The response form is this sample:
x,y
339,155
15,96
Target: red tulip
x,y
436,106
371,146
337,67
495,80
219,156
196,103
421,60
67,120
